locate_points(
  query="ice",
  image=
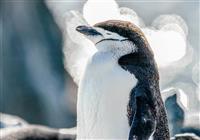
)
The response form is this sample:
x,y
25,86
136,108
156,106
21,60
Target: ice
x,y
187,100
130,15
195,74
168,46
182,98
95,11
58,9
171,45
192,114
77,49
171,22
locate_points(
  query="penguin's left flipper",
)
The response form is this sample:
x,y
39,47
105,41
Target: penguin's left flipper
x,y
143,121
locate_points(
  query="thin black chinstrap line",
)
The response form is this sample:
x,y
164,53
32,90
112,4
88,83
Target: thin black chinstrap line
x,y
112,40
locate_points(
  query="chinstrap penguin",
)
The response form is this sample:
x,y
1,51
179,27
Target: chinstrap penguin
x,y
119,95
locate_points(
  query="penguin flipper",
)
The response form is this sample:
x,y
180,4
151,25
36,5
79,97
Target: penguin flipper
x,y
143,122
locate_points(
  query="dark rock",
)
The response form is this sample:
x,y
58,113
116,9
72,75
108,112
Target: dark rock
x,y
11,121
36,132
185,136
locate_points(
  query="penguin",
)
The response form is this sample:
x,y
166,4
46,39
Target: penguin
x,y
119,95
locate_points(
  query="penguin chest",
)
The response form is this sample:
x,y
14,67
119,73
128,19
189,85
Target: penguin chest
x,y
102,103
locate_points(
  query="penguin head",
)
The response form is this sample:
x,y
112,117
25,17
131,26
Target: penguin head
x,y
107,41
98,35
123,39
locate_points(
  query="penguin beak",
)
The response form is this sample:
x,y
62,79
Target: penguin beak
x,y
88,31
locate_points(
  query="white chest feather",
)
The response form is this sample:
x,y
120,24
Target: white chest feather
x,y
102,100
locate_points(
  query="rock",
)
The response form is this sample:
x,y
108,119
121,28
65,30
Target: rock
x,y
11,121
15,128
185,136
36,132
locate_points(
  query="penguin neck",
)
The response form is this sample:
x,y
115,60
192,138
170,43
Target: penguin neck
x,y
102,99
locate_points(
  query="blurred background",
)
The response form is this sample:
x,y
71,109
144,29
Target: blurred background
x,y
35,85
